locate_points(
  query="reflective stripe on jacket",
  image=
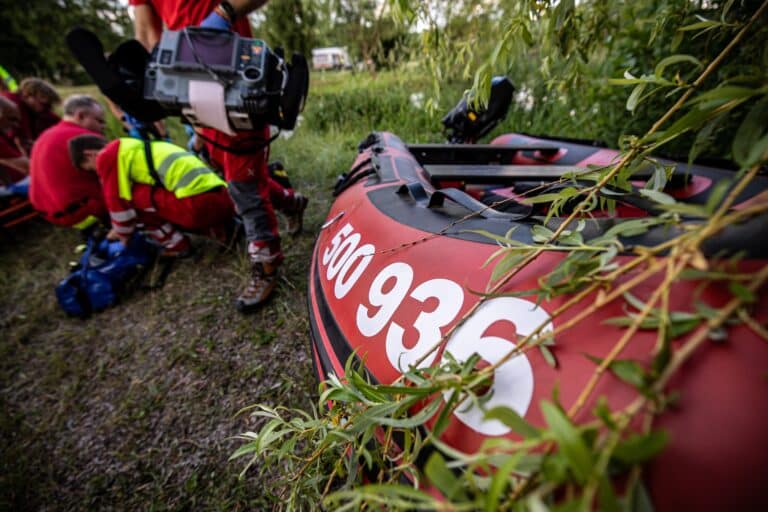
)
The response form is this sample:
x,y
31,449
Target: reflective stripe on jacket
x,y
180,171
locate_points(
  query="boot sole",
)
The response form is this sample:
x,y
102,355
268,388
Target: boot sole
x,y
243,307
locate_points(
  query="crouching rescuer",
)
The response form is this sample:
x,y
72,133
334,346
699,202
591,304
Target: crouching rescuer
x,y
157,186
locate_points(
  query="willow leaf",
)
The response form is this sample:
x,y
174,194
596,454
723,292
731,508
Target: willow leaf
x,y
569,441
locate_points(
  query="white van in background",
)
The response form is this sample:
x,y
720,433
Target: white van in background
x,y
334,57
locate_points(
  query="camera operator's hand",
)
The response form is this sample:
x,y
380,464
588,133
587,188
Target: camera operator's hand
x,y
133,126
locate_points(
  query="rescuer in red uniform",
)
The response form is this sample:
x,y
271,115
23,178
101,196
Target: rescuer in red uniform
x,y
248,182
157,185
62,193
35,100
14,164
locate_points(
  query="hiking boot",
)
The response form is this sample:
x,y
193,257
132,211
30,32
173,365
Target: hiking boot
x,y
295,216
264,265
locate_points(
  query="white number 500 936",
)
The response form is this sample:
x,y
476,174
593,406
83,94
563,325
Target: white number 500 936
x,y
346,260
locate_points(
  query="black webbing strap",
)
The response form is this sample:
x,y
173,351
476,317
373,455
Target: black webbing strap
x,y
151,162
240,151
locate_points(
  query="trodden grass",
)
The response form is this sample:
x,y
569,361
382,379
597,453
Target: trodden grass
x,y
136,407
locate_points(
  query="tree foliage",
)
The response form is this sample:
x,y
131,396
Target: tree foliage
x,y
32,38
568,52
290,24
364,27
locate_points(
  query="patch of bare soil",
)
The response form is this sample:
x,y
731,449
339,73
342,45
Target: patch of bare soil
x,y
136,407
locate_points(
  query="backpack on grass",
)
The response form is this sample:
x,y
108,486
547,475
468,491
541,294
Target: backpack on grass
x,y
104,271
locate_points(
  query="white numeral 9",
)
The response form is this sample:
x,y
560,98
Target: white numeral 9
x,y
387,302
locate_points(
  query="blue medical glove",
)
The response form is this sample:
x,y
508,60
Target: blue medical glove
x,y
20,188
134,126
214,20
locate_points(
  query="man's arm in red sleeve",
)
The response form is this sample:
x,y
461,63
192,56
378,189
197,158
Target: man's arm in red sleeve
x,y
121,212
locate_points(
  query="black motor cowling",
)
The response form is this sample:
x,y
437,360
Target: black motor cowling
x,y
465,125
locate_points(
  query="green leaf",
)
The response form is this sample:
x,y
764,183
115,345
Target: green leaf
x,y
626,321
657,196
549,357
680,326
632,227
717,194
675,59
510,260
503,240
707,24
571,238
443,478
513,420
629,371
630,80
396,496
626,370
741,292
689,121
639,499
634,301
705,137
243,450
603,412
639,448
541,234
724,94
499,482
634,97
759,152
413,421
444,418
607,497
659,179
687,210
569,441
542,198
749,146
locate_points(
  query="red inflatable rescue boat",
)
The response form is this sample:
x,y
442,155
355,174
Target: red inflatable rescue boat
x,y
401,257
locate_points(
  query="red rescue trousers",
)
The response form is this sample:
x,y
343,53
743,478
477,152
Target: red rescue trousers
x,y
80,214
198,213
255,194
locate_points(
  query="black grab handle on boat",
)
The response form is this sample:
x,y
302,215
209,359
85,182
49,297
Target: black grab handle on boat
x,y
483,210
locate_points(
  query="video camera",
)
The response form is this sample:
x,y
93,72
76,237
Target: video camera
x,y
209,77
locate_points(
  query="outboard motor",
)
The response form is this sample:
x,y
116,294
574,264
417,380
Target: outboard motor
x,y
465,125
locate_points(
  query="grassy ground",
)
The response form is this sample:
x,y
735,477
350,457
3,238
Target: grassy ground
x,y
136,407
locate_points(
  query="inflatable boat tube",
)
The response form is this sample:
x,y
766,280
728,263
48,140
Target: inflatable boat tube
x,y
399,259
